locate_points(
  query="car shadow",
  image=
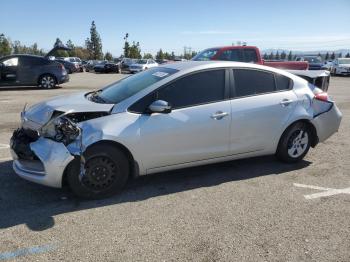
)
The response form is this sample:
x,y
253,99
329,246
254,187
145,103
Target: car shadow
x,y
22,202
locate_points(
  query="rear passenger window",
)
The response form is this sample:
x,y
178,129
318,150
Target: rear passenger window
x,y
282,82
252,82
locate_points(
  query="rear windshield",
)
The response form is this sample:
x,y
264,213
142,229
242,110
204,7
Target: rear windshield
x,y
206,55
131,85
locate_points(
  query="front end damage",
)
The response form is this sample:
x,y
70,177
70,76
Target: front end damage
x,y
42,155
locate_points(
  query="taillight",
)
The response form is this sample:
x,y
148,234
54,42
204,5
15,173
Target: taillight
x,y
322,96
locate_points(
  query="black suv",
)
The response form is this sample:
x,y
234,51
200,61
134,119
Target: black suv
x,y
31,70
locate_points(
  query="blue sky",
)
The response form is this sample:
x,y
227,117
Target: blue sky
x,y
171,25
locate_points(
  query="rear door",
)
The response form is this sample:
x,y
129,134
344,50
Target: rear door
x,y
262,103
29,68
196,129
9,69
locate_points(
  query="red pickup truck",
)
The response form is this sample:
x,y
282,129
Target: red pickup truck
x,y
248,54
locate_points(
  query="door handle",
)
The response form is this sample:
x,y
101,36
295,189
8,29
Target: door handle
x,y
219,115
286,102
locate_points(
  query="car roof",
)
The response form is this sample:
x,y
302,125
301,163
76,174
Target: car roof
x,y
191,66
21,55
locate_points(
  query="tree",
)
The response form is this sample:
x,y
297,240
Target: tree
x,y
271,56
135,50
277,56
94,43
327,56
283,55
108,56
58,42
333,56
5,46
160,55
126,46
290,56
347,55
340,55
265,57
147,56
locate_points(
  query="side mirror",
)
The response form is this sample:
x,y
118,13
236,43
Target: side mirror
x,y
160,106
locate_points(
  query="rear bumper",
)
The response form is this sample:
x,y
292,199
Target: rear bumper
x,y
328,123
63,79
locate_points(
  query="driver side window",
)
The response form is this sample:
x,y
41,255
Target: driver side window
x,y
11,62
195,89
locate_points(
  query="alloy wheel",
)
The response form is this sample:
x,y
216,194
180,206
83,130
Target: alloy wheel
x,y
298,143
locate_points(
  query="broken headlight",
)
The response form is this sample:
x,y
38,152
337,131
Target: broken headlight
x,y
61,129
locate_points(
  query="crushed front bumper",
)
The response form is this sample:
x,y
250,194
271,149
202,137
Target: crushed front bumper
x,y
44,160
327,123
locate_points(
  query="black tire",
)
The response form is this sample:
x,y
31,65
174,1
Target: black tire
x,y
106,173
294,143
47,81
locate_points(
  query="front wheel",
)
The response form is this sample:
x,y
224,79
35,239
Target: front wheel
x,y
106,173
295,143
47,81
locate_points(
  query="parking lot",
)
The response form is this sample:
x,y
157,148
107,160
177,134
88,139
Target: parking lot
x,y
255,209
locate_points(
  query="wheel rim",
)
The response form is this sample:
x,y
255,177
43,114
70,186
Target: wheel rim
x,y
100,173
297,143
47,82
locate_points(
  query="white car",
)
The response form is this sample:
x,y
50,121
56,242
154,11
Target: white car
x,y
142,64
341,66
170,117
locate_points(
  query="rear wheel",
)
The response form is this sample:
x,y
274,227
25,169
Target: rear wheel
x,y
106,173
295,143
47,81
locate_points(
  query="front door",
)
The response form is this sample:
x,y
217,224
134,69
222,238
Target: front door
x,y
9,69
196,129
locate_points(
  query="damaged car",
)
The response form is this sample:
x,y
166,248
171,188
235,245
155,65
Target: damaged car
x,y
169,117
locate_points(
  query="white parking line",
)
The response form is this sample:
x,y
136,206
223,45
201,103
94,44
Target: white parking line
x,y
4,146
326,191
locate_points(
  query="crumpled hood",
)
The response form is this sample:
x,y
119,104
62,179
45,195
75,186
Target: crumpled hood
x,y
41,113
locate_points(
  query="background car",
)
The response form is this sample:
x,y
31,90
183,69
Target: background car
x,y
77,61
125,64
341,66
142,64
315,62
30,70
89,66
70,67
107,67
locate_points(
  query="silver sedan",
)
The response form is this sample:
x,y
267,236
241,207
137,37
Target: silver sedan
x,y
169,117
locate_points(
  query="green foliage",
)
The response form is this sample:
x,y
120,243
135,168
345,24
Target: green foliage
x,y
160,54
108,56
340,55
5,46
347,55
135,50
271,56
277,56
147,56
265,56
333,56
327,56
283,55
290,56
94,43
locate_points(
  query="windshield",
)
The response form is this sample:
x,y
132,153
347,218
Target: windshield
x,y
142,61
313,59
131,85
206,55
343,61
102,62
